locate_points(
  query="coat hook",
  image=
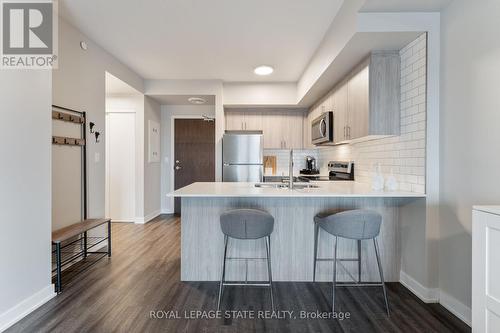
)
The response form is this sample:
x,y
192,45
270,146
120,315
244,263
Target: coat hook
x,y
91,125
97,137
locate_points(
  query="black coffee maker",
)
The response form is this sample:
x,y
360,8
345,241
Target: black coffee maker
x,y
311,167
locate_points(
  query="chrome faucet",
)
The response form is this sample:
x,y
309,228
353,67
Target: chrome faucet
x,y
290,171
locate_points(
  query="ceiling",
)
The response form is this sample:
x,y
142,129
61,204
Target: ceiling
x,y
182,99
404,5
199,39
115,86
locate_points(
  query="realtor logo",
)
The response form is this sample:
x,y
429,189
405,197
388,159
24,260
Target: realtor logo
x,y
28,31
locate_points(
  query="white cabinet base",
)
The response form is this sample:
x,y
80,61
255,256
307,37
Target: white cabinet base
x,y
485,270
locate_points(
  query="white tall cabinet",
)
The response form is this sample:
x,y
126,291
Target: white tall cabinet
x,y
486,269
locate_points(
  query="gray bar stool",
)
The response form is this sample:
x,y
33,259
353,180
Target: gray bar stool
x,y
358,225
246,224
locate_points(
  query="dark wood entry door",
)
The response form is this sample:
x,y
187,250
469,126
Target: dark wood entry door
x,y
194,160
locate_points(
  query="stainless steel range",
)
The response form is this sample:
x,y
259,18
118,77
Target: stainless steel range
x,y
337,170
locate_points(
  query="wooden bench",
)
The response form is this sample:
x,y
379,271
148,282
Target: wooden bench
x,y
68,234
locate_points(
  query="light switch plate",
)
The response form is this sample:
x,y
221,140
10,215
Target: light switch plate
x,y
97,157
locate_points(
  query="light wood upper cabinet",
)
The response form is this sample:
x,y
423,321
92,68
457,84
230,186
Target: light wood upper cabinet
x,y
272,126
235,120
283,129
340,114
373,97
358,105
366,104
253,121
241,120
292,135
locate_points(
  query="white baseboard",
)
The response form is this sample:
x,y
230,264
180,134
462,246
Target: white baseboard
x,y
166,211
435,295
30,304
427,295
147,218
456,307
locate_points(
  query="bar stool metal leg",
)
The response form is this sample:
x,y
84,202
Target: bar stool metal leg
x,y
58,268
85,244
223,273
359,261
377,252
334,272
109,238
268,253
316,236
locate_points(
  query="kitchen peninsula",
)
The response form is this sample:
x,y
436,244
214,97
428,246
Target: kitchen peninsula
x,y
292,241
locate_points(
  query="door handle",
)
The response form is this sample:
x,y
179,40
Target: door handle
x,y
322,127
177,167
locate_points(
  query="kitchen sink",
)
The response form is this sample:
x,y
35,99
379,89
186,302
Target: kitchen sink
x,y
304,186
271,185
298,186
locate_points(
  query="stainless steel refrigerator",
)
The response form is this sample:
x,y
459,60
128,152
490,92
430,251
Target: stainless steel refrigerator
x,y
242,156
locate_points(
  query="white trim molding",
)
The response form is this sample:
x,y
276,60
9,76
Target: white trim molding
x,y
25,307
462,311
147,218
427,295
435,295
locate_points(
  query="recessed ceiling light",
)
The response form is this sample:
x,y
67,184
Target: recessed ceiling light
x,y
263,70
196,100
83,45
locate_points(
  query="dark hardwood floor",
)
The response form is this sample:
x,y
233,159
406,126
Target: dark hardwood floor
x,y
118,294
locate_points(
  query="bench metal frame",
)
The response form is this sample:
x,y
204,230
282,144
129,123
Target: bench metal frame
x,y
80,255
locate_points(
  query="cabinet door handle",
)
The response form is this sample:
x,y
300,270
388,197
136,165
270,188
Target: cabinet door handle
x,y
345,135
349,131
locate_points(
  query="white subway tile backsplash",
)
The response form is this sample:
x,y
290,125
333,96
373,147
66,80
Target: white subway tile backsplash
x,y
404,155
283,158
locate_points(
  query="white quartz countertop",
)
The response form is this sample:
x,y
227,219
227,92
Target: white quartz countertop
x,y
488,209
326,189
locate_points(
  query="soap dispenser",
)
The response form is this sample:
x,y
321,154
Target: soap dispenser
x,y
377,179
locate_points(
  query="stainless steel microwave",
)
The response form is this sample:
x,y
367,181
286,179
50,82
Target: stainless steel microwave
x,y
322,129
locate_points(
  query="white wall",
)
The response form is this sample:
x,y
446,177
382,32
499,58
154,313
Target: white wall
x,y
196,87
269,94
79,83
152,171
25,192
470,133
168,113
